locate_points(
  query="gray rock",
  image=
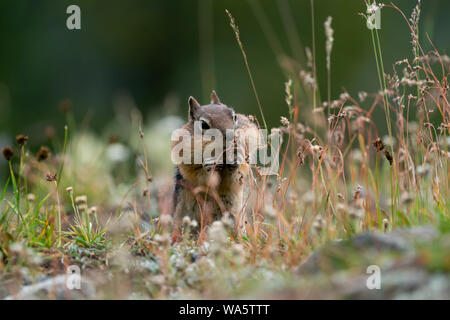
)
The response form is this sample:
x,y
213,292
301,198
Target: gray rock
x,y
55,288
437,288
393,283
337,254
403,272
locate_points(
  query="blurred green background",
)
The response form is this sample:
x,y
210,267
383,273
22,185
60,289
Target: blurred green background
x,y
151,51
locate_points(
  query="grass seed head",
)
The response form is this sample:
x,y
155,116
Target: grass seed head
x,y
388,156
21,139
362,96
50,177
81,199
194,224
83,207
92,210
43,153
329,40
379,144
186,221
8,153
359,193
386,225
284,121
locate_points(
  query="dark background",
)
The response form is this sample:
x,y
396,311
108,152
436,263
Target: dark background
x,y
151,50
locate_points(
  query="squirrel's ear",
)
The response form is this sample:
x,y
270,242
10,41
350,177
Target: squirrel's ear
x,y
193,107
214,98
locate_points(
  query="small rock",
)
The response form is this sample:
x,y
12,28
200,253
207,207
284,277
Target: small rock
x,y
55,288
336,254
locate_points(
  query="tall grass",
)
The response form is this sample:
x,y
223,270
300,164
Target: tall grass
x,y
337,178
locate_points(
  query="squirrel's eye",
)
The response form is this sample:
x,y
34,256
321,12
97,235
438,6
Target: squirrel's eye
x,y
205,125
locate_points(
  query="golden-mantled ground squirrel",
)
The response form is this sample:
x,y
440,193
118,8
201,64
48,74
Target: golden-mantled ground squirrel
x,y
208,190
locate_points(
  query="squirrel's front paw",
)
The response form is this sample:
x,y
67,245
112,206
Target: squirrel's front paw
x,y
211,164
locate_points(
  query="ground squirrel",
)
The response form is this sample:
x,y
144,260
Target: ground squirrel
x,y
210,189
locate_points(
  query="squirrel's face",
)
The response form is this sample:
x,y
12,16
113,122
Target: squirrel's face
x,y
212,129
212,116
214,133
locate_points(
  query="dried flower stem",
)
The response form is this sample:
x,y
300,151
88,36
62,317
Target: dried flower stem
x,y
238,39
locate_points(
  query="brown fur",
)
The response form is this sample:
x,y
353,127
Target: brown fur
x,y
205,192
